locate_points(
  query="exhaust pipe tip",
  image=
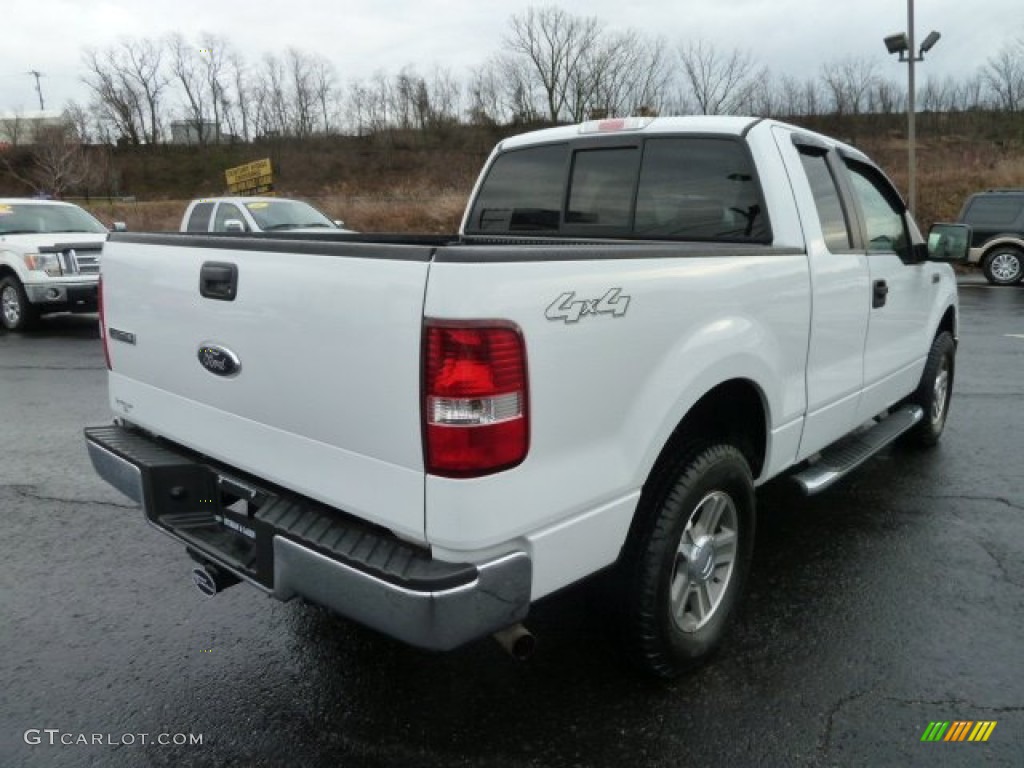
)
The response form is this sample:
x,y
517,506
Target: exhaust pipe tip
x,y
209,579
517,641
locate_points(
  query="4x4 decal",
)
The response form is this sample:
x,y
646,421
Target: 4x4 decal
x,y
569,309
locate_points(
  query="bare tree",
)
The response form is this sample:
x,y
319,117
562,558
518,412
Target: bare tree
x,y
78,118
624,74
117,99
56,161
142,63
885,97
325,90
518,96
936,95
970,93
273,101
719,81
848,81
554,45
303,95
187,71
484,94
243,96
1004,74
214,54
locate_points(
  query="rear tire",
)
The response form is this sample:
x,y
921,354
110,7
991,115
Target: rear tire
x,y
934,392
686,559
1003,266
16,312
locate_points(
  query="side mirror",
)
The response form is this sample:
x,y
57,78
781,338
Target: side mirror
x,y
339,223
120,226
234,225
949,242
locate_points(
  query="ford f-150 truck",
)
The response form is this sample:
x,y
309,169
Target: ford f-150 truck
x,y
255,214
49,260
639,322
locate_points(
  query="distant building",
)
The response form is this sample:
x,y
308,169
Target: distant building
x,y
20,128
190,132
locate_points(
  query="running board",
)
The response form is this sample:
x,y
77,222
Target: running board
x,y
844,456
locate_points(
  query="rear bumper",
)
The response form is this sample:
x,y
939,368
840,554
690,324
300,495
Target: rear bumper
x,y
291,546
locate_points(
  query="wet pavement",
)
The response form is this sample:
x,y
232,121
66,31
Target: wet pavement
x,y
892,600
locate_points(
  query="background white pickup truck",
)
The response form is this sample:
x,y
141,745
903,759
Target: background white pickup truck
x,y
640,321
49,260
255,214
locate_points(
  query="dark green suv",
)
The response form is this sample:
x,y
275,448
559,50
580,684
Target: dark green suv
x,y
996,218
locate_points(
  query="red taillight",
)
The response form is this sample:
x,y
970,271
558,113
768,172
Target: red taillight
x,y
103,322
474,405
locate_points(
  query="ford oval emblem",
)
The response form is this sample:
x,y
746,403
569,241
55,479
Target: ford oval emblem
x,y
218,360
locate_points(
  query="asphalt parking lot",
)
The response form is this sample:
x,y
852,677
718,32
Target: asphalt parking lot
x,y
894,600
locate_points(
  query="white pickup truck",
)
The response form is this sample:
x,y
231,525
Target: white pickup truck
x,y
49,260
640,321
255,214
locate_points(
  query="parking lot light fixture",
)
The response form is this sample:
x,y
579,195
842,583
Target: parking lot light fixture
x,y
902,43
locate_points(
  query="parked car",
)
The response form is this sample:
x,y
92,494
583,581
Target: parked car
x,y
639,322
996,218
49,259
256,214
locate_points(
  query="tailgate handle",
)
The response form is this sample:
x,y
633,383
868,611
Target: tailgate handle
x,y
218,280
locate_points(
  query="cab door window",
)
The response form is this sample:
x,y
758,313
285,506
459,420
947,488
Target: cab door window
x,y
884,224
226,211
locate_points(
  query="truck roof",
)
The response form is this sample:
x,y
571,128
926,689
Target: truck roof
x,y
697,124
32,201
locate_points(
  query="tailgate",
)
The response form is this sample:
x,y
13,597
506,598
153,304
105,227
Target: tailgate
x,y
306,373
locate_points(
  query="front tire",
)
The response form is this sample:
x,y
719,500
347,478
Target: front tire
x,y
1004,266
934,392
16,312
687,558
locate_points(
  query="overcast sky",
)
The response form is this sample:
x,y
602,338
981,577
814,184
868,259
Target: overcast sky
x,y
363,36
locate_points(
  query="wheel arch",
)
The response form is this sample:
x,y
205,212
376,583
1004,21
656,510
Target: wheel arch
x,y
948,323
1002,241
735,412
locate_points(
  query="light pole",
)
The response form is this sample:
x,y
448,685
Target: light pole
x,y
903,44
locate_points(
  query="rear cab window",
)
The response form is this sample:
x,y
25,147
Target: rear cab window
x,y
659,187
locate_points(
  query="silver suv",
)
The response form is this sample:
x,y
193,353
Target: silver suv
x,y
996,218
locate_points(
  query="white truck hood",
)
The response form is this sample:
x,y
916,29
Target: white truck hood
x,y
33,242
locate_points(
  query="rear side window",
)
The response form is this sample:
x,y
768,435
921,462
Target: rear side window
x,y
522,192
199,219
834,226
682,188
994,211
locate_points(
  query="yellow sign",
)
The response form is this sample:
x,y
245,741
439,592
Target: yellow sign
x,y
256,176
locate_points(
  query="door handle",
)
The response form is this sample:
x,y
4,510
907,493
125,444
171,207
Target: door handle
x,y
881,290
218,280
